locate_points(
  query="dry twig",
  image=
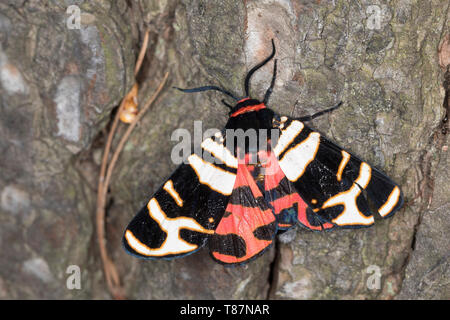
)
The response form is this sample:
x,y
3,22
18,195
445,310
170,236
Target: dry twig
x,y
110,271
111,274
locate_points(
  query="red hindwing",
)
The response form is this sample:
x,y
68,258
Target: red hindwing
x,y
248,225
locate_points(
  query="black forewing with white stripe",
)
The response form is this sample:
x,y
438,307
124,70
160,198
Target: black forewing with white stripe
x,y
337,185
186,209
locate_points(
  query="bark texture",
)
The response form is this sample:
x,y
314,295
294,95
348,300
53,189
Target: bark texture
x,y
387,60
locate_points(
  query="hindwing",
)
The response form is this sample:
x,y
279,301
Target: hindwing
x,y
248,226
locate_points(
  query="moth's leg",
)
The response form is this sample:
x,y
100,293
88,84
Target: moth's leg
x,y
318,114
226,104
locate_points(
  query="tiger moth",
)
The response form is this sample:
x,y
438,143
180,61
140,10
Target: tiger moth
x,y
237,199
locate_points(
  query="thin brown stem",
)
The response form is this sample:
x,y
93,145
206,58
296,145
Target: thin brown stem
x,y
130,129
142,53
111,274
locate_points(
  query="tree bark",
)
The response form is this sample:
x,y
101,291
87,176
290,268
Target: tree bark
x,y
59,87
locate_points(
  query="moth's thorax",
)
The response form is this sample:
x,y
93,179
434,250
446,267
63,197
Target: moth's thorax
x,y
246,105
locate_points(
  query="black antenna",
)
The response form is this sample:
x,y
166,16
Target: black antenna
x,y
252,71
206,88
274,76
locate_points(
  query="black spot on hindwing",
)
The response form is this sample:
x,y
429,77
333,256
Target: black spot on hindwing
x,y
230,244
265,232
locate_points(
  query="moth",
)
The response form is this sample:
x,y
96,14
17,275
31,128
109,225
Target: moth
x,y
237,199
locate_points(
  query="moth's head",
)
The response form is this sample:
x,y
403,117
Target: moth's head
x,y
245,104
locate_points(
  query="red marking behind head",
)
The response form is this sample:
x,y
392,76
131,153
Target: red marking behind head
x,y
246,109
242,100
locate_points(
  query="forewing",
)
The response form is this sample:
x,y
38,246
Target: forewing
x,y
338,186
187,208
